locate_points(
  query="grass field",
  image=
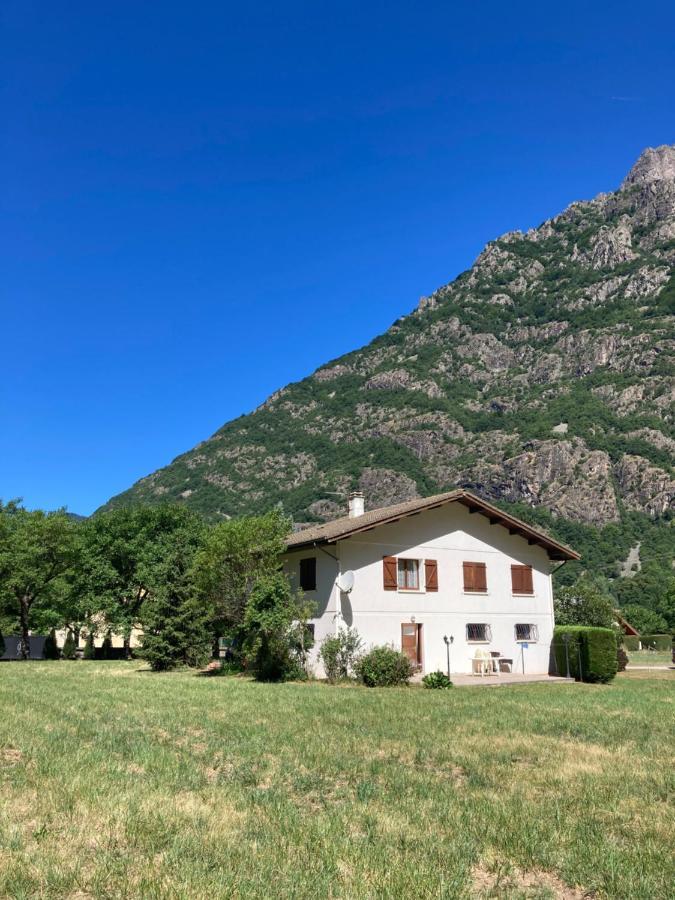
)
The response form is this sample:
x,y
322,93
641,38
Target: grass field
x,y
649,658
118,783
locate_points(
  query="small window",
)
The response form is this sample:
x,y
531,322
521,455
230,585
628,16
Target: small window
x,y
409,574
310,630
475,576
478,632
308,574
526,633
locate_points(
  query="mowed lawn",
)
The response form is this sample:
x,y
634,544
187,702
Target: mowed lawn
x,y
115,782
649,658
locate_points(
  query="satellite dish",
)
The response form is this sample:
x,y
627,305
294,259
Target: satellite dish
x,y
345,581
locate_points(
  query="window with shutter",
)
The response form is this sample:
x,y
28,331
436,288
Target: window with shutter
x,y
431,574
389,574
475,576
308,574
521,580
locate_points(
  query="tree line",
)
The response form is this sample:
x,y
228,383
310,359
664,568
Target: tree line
x,y
161,569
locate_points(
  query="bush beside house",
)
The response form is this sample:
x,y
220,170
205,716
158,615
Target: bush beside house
x,y
383,667
339,654
592,652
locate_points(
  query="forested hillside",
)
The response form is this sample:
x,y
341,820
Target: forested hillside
x,y
541,378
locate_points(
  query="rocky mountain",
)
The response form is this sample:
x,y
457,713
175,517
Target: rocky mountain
x,y
542,376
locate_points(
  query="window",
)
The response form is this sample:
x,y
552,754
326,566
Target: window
x,y
310,630
409,574
308,574
521,580
526,632
478,632
475,576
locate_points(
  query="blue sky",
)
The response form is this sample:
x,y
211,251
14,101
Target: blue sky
x,y
204,201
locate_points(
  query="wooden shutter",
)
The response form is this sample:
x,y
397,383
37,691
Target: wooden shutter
x,y
521,580
431,574
389,573
475,576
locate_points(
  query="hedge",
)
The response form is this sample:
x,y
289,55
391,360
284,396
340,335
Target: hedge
x,y
593,648
658,641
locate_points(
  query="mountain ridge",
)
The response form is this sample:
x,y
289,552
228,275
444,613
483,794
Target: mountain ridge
x,y
542,376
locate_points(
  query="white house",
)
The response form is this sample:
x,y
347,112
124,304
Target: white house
x,y
449,566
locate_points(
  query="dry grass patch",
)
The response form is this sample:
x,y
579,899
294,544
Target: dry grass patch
x,y
506,881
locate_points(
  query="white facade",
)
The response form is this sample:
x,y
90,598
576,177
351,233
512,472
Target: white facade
x,y
450,535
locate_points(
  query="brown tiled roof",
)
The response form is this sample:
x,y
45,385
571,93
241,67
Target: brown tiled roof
x,y
345,527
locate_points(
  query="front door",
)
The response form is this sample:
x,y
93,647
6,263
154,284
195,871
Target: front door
x,y
411,643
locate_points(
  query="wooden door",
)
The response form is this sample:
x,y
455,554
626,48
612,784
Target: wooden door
x,y
410,642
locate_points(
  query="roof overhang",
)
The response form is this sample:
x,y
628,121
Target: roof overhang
x,y
473,503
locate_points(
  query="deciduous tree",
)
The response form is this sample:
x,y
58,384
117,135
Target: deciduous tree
x,y
125,559
37,551
236,555
584,603
644,620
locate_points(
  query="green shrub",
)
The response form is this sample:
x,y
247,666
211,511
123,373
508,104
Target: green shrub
x,y
339,653
436,680
51,648
230,667
621,659
382,667
69,650
107,646
592,652
89,648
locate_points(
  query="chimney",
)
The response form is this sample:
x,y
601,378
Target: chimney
x,y
356,504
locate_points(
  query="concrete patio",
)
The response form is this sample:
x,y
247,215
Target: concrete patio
x,y
499,680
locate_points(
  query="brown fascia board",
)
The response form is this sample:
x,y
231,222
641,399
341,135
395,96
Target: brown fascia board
x,y
556,550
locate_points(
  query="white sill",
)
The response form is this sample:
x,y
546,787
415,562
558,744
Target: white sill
x,y
529,594
529,641
410,590
476,593
479,642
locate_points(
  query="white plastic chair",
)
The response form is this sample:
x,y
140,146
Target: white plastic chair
x,y
481,664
